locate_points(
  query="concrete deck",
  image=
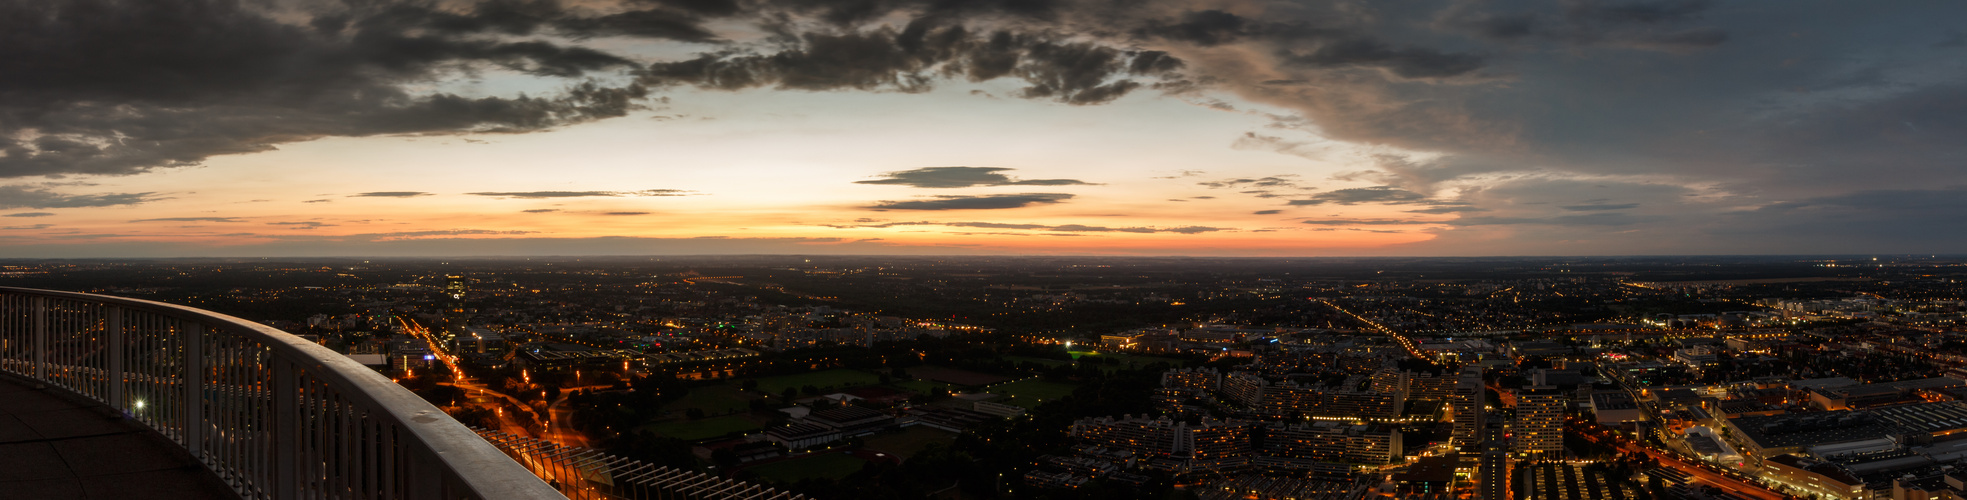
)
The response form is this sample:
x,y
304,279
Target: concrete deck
x,y
55,445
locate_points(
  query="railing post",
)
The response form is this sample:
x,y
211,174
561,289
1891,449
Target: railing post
x,y
425,479
39,312
193,385
113,347
285,455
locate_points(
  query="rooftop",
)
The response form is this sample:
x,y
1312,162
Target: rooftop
x,y
1809,429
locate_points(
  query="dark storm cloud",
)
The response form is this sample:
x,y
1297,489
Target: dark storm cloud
x,y
24,196
1069,228
1388,195
956,177
1644,24
200,78
1312,45
582,194
29,214
1267,212
1407,62
983,202
125,86
30,226
383,194
914,57
540,210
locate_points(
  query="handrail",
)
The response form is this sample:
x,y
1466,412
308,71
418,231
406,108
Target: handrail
x,y
272,414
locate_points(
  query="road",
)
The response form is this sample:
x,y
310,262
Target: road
x,y
1672,460
547,426
1704,474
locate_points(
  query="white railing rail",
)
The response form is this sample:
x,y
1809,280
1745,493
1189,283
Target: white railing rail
x,y
273,415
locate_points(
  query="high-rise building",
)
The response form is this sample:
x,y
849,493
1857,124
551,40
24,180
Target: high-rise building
x,y
1288,444
1211,439
1540,421
1466,403
454,312
1192,379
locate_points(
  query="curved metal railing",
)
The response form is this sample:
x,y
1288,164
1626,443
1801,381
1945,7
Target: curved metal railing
x,y
273,415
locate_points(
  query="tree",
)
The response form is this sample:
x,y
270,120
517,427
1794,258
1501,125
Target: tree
x,y
790,394
694,413
750,385
724,457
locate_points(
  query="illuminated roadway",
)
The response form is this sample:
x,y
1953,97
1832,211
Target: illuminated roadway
x,y
1672,460
545,427
1397,337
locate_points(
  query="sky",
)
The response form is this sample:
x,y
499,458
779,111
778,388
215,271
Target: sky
x,y
248,128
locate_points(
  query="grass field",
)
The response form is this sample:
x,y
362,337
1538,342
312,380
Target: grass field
x,y
910,440
828,466
713,400
1031,393
838,379
692,430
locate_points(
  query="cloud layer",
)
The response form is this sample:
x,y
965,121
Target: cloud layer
x,y
1591,123
978,202
957,177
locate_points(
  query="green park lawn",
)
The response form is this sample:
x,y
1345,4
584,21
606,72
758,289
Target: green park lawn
x,y
826,466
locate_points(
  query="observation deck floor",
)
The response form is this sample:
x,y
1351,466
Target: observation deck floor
x,y
57,445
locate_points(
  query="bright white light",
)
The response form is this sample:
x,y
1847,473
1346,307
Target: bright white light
x,y
139,404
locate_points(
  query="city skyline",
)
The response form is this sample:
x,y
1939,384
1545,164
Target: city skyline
x,y
459,128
